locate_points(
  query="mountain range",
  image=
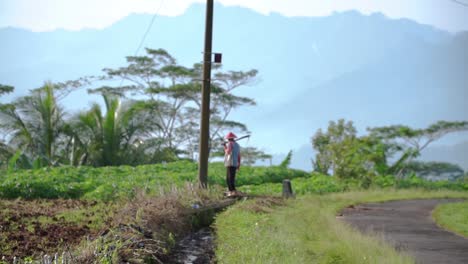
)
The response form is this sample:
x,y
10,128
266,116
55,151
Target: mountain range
x,y
370,69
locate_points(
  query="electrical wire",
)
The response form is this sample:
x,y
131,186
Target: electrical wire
x,y
148,29
460,3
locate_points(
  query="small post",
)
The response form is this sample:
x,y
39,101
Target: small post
x,y
287,189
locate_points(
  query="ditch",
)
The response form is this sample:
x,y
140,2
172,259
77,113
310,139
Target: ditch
x,y
198,247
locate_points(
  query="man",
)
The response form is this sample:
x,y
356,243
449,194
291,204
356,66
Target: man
x,y
232,160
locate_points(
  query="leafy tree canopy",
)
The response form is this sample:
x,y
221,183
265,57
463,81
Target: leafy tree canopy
x,y
4,89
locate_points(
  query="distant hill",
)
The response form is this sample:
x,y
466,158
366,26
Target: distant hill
x,y
370,69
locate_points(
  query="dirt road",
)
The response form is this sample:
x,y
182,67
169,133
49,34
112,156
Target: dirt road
x,y
408,226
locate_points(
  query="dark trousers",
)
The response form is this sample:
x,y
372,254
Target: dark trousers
x,y
231,178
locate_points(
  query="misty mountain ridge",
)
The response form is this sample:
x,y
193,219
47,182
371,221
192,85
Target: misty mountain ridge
x,y
370,69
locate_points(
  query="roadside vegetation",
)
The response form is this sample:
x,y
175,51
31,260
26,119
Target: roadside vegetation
x,y
307,230
453,217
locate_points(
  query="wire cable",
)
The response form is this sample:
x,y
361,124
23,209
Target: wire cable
x,y
460,3
148,29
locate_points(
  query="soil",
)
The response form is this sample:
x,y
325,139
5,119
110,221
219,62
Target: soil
x,y
31,228
409,227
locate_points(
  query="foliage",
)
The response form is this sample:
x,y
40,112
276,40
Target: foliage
x,y
13,161
250,155
321,184
5,155
287,160
409,142
4,89
254,175
453,216
173,92
341,152
317,183
348,156
34,125
160,123
109,139
434,170
110,183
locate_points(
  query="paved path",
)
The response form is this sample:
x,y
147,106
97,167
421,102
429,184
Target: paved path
x,y
408,226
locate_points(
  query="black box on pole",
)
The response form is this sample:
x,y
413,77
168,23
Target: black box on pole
x,y
218,57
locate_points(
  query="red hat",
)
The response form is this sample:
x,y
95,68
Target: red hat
x,y
230,135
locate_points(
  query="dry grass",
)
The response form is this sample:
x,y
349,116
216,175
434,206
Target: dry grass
x,y
147,227
263,204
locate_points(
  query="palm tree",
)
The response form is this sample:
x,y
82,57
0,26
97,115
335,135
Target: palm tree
x,y
109,137
33,124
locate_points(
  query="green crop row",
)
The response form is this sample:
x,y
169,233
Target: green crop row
x,y
320,184
107,183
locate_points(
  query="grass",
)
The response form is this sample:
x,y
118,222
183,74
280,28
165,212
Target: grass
x,y
453,217
307,230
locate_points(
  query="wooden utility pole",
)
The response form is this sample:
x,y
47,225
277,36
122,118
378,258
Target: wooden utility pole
x,y
206,92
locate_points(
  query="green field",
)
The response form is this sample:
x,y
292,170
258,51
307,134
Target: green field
x,y
110,183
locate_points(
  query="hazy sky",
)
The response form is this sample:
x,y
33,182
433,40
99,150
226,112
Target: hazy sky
x,y
46,15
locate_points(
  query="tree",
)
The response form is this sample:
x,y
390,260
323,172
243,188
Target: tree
x,y
154,117
109,138
287,160
326,143
5,150
33,125
250,155
4,89
341,152
434,170
409,142
168,86
223,101
174,93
